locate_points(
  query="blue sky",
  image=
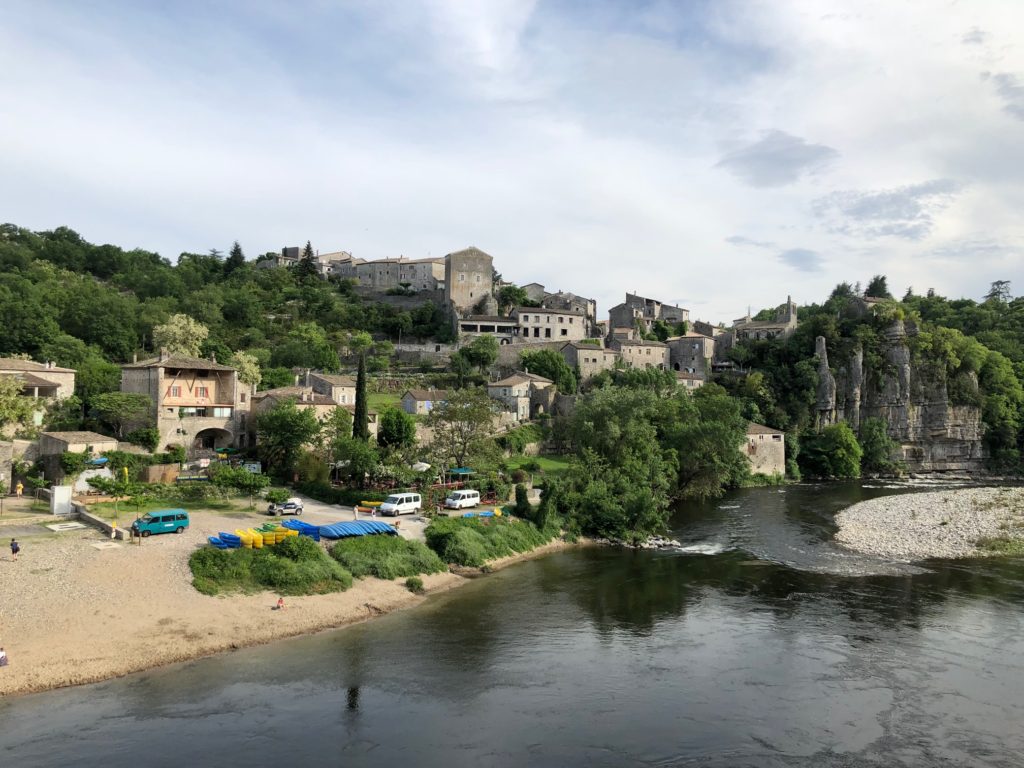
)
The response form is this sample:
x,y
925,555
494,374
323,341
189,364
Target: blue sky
x,y
715,154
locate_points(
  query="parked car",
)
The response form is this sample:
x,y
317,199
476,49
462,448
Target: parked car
x,y
462,499
292,506
161,521
402,504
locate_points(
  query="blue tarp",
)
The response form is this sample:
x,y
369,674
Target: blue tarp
x,y
304,529
100,460
355,528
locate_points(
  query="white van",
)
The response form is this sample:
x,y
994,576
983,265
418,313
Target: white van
x,y
401,504
462,499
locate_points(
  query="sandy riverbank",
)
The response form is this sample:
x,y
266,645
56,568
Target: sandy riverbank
x,y
938,524
73,614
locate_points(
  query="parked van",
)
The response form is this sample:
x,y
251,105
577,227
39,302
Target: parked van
x,y
401,504
462,499
161,521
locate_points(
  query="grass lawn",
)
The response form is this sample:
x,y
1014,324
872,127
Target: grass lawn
x,y
550,464
378,400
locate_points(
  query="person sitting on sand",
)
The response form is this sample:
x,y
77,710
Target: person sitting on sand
x,y
280,603
15,549
3,658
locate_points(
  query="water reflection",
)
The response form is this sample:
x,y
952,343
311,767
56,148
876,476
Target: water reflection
x,y
769,654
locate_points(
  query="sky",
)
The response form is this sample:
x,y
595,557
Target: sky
x,y
716,154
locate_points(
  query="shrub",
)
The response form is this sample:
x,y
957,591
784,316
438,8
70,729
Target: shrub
x,y
518,476
331,495
386,557
414,584
522,508
277,495
472,541
296,566
147,437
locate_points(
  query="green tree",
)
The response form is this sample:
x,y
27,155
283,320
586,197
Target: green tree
x,y
283,431
461,425
14,408
878,288
551,365
180,335
307,267
833,452
235,259
481,352
877,448
121,410
248,368
361,418
511,296
396,429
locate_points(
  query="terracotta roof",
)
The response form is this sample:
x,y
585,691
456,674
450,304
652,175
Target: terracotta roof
x,y
761,429
518,378
12,364
31,380
180,361
583,345
546,311
302,395
638,343
80,437
337,380
427,394
688,375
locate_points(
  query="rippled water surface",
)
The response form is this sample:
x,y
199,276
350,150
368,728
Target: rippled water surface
x,y
757,644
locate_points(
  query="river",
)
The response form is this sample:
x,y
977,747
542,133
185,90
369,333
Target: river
x,y
758,644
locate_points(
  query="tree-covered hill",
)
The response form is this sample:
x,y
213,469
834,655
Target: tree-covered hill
x,y
64,299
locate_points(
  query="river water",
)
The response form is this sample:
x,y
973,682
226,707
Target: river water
x,y
758,644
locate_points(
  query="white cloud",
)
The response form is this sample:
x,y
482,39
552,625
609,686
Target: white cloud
x,y
584,150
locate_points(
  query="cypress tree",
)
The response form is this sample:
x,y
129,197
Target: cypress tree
x,y
235,259
360,422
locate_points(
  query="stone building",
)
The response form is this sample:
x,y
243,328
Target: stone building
x,y
197,403
341,389
522,394
785,322
305,398
549,324
766,450
639,311
692,353
570,302
40,380
504,329
420,402
534,291
689,381
468,278
642,354
93,443
588,359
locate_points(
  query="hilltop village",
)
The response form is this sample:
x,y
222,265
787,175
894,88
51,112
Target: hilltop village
x,y
198,405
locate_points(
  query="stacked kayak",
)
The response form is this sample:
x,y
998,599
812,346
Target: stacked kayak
x,y
273,533
303,529
217,542
356,528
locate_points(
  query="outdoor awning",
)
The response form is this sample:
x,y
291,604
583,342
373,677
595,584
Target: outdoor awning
x,y
461,471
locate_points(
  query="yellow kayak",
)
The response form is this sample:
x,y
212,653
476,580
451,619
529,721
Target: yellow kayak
x,y
257,539
245,536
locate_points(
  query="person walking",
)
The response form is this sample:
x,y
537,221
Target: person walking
x,y
15,549
18,489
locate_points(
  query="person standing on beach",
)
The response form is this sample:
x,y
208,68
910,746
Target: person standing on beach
x,y
18,489
15,549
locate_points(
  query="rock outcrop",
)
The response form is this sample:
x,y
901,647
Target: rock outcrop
x,y
934,434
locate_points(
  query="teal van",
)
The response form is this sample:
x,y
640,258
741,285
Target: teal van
x,y
161,521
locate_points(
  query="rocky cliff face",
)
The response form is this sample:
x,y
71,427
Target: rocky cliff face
x,y
934,434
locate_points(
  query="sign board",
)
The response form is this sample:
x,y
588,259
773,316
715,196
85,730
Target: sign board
x,y
253,466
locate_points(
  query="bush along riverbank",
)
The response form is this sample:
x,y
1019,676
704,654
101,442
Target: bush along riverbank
x,y
386,557
474,541
966,522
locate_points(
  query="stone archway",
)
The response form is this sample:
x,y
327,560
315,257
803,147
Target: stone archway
x,y
212,438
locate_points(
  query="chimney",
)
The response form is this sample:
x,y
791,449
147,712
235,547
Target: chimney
x,y
213,357
163,354
135,357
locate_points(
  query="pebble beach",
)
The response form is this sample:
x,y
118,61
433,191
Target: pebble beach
x,y
935,524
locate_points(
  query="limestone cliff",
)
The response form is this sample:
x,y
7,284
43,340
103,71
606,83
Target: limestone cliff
x,y
934,434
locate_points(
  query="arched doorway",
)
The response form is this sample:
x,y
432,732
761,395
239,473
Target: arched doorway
x,y
211,439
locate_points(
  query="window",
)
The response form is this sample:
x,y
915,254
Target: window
x,y
547,332
526,318
561,319
344,398
222,413
243,397
462,277
565,332
478,278
174,391
777,438
202,391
